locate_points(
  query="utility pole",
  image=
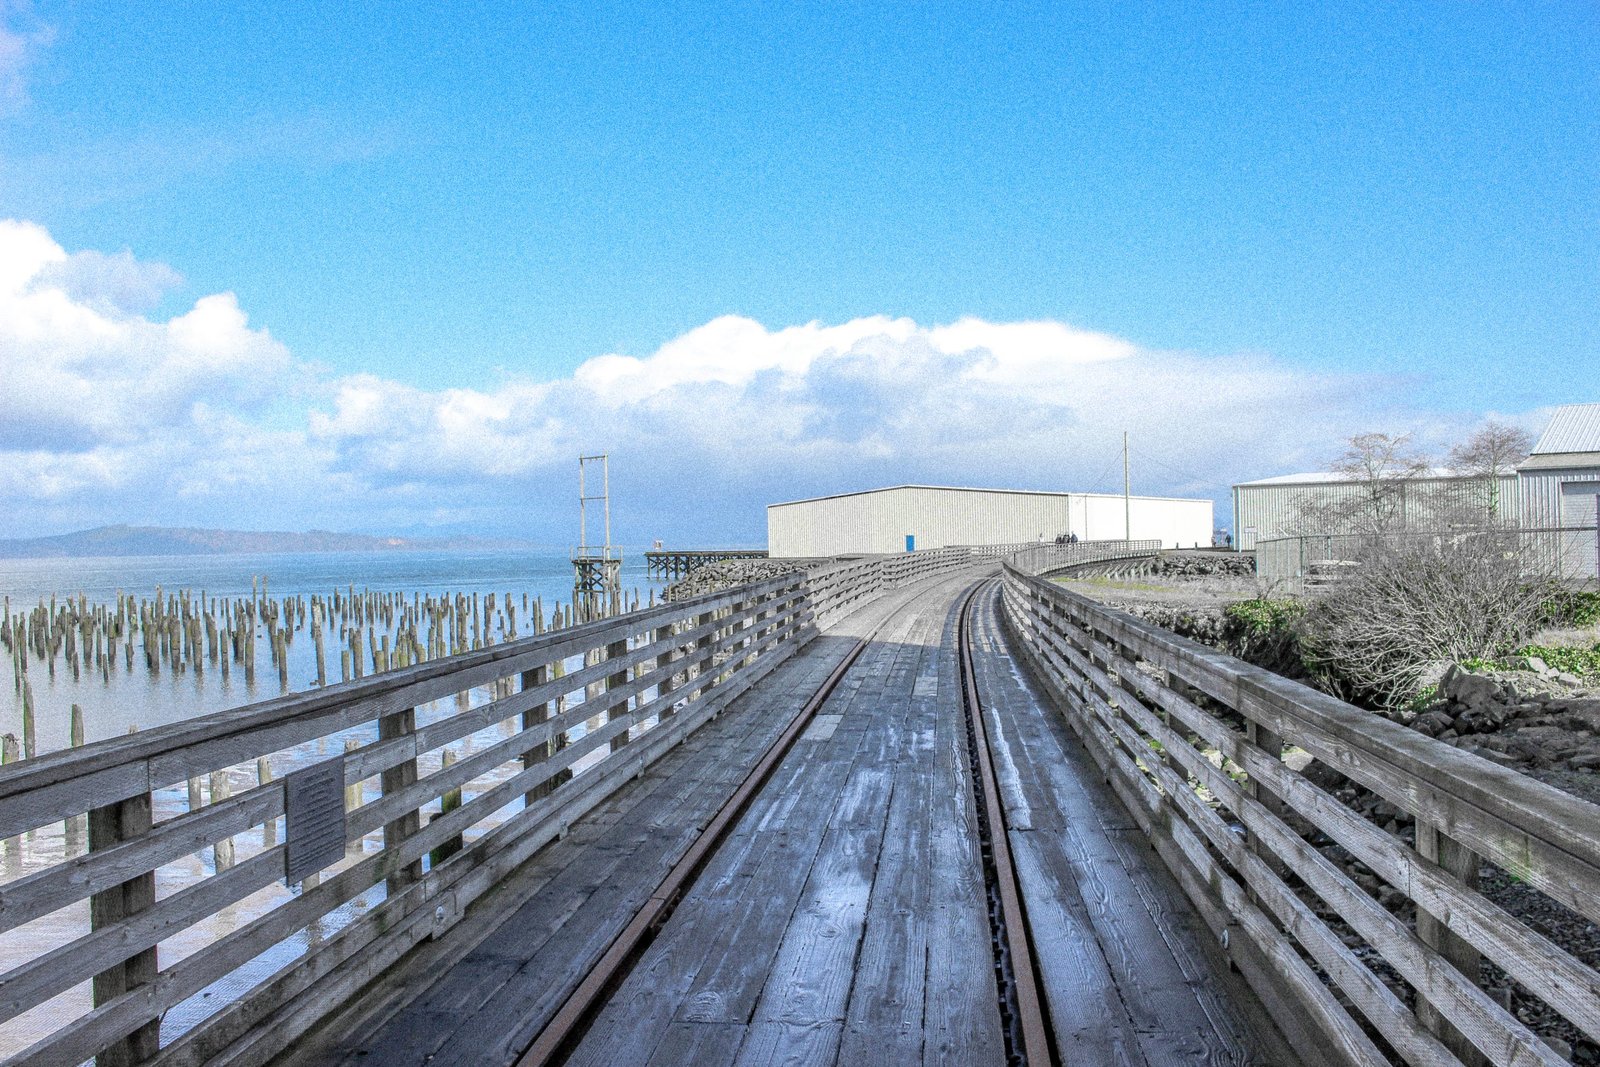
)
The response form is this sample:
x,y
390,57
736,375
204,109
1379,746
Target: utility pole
x,y
1127,497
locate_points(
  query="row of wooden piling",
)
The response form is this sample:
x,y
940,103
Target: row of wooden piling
x,y
373,632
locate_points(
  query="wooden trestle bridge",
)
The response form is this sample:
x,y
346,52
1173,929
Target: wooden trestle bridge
x,y
919,808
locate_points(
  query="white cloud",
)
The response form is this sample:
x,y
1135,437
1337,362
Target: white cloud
x,y
109,414
22,38
83,372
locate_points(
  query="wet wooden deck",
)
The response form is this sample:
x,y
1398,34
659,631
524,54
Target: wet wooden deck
x,y
845,921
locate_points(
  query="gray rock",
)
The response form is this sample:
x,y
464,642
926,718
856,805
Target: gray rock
x,y
1432,723
1537,665
1474,690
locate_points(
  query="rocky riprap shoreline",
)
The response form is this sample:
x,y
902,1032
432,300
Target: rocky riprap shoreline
x,y
1533,719
714,577
1202,565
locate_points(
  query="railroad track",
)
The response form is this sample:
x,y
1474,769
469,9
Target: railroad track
x,y
1021,1007
1021,992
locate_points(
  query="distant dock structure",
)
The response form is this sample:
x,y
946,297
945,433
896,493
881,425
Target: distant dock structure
x,y
670,564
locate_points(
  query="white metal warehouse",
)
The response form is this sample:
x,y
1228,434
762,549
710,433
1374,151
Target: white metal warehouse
x,y
1559,485
1277,507
905,517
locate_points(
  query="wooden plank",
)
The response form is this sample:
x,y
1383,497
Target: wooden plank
x,y
1087,1014
961,999
713,767
884,1020
810,977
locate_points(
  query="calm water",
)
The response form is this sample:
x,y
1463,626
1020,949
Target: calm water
x,y
139,698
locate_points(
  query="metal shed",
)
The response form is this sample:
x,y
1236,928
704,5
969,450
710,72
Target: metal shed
x,y
905,517
1276,507
1559,484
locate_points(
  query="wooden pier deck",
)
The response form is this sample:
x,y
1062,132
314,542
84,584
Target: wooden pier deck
x,y
925,807
845,920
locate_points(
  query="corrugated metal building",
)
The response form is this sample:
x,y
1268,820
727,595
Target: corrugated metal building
x,y
1280,507
904,517
1560,486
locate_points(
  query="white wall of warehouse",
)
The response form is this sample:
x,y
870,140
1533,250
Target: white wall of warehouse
x,y
880,520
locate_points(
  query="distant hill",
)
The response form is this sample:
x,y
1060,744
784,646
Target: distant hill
x,y
183,541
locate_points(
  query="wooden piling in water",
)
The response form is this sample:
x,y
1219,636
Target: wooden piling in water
x,y
29,734
352,792
269,828
450,801
221,849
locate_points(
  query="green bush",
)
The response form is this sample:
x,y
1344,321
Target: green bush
x,y
1261,617
1573,609
1571,660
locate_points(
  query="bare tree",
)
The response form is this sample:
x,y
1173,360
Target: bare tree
x,y
1381,464
1493,450
1382,469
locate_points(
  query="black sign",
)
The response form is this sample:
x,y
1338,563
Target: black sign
x,y
314,812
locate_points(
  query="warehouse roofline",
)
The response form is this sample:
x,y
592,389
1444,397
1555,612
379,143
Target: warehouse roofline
x,y
1573,428
1435,474
976,489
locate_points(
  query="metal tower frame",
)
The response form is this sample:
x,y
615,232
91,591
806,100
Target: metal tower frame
x,y
596,569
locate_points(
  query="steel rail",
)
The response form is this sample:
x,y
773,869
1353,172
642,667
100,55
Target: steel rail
x,y
566,1028
1021,991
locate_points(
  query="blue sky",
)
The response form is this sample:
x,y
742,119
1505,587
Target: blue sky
x,y
1370,216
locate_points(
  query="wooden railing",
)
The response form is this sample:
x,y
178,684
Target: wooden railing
x,y
1407,961
345,825
1049,558
427,800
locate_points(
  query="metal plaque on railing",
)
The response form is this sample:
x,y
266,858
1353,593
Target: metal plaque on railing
x,y
314,813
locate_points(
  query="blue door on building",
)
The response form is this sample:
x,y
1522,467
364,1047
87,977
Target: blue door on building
x,y
911,542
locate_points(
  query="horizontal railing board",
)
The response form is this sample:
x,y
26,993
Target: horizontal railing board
x,y
1514,820
1486,1022
31,896
197,902
465,876
1222,902
34,895
511,657
299,976
1522,825
1545,968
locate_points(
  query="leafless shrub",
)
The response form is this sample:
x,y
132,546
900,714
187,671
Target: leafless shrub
x,y
1420,598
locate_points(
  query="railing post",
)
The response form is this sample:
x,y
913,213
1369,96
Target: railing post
x,y
664,661
533,717
401,724
1271,745
108,826
617,650
702,649
1434,844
